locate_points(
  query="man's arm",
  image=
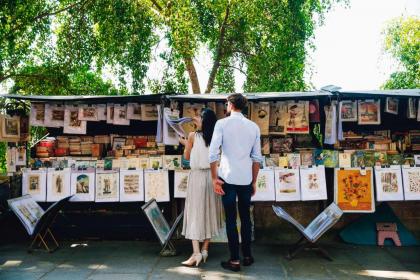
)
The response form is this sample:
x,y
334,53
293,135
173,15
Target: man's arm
x,y
256,160
214,157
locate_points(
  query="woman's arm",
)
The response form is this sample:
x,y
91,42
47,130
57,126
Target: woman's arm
x,y
188,143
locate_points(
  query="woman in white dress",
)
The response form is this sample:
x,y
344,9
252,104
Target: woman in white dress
x,y
203,208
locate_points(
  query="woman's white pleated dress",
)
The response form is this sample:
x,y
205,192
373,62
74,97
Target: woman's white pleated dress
x,y
203,208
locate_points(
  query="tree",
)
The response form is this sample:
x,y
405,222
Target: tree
x,y
402,42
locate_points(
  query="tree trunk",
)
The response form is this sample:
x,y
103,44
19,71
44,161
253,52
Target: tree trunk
x,y
193,75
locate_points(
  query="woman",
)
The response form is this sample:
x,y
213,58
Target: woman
x,y
203,208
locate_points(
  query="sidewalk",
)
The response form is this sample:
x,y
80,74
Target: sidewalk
x,y
121,260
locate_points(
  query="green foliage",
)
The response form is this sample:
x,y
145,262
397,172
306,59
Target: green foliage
x,y
402,41
3,147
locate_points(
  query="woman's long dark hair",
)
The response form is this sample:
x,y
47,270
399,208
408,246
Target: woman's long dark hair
x,y
208,121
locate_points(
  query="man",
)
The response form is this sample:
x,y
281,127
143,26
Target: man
x,y
239,139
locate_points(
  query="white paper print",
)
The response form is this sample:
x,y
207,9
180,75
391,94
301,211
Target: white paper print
x,y
107,186
54,115
34,183
156,185
389,184
37,117
134,111
72,124
313,184
181,183
287,183
411,179
265,186
88,112
82,185
101,112
120,115
131,185
58,184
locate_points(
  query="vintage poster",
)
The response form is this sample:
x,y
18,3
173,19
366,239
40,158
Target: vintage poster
x,y
411,179
344,159
58,184
149,112
134,111
27,210
181,183
313,184
348,111
389,185
329,158
110,113
260,114
293,160
54,115
34,183
314,115
88,112
353,189
120,115
101,112
131,185
11,127
172,162
297,117
282,145
306,157
191,110
107,186
82,185
265,190
37,116
391,105
369,111
287,184
72,124
278,116
156,185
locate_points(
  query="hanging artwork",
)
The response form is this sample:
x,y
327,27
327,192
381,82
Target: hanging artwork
x,y
391,105
411,110
348,111
191,110
131,185
155,162
107,186
55,115
134,111
282,145
120,115
265,145
330,123
306,157
27,210
88,112
313,183
170,137
353,189
389,184
24,129
297,117
344,159
11,159
293,160
329,158
21,156
101,112
172,162
314,111
37,116
272,160
265,190
149,112
58,184
369,111
156,185
260,114
287,183
72,124
181,183
82,185
11,127
278,116
283,161
411,179
34,183
144,162
110,113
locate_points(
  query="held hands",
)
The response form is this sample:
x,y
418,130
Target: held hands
x,y
217,186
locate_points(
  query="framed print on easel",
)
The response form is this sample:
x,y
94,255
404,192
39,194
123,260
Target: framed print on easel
x,y
388,182
287,184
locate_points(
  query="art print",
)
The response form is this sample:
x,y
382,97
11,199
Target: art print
x,y
120,115
282,145
287,184
11,127
314,111
260,114
330,123
389,184
191,110
118,143
181,183
369,112
156,218
37,116
411,179
329,158
306,157
82,185
298,117
110,113
131,185
278,116
293,160
54,115
149,112
101,112
265,190
272,160
411,110
156,185
134,111
170,136
171,162
27,210
107,186
21,156
11,159
344,160
353,189
155,162
391,105
72,124
88,113
34,183
58,184
313,183
348,111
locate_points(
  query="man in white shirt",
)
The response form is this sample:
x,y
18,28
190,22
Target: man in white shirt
x,y
239,140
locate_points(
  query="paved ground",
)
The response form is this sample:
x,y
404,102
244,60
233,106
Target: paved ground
x,y
139,260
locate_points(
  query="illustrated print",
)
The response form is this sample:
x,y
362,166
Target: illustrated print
x,y
414,181
82,184
58,183
313,182
34,184
287,182
389,182
131,184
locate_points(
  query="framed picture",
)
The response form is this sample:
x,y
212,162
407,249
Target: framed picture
x,y
389,185
11,127
353,189
156,185
110,113
120,115
34,183
82,185
411,110
88,113
158,221
134,111
411,179
313,183
149,112
181,183
369,111
55,115
37,115
297,117
265,186
260,114
287,184
172,162
107,186
348,111
27,210
131,185
58,184
72,124
101,112
391,105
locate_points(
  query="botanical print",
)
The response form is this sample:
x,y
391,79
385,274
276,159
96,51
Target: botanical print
x,y
156,218
149,112
354,189
191,110
391,105
411,179
107,188
37,114
11,127
278,116
155,162
414,182
287,183
298,117
181,183
72,124
265,186
369,111
313,184
134,111
260,114
348,111
156,184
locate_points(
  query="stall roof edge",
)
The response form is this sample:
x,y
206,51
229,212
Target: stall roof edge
x,y
387,92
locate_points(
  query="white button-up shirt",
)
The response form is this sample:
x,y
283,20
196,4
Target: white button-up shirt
x,y
240,142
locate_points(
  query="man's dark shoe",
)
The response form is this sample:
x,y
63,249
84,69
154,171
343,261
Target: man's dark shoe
x,y
247,261
231,266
